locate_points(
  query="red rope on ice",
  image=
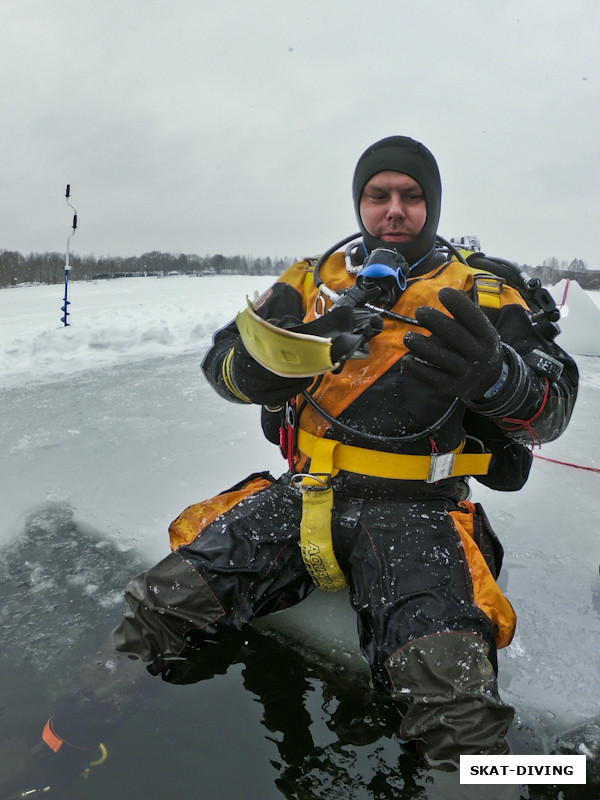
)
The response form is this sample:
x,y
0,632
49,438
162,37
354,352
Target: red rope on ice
x,y
567,463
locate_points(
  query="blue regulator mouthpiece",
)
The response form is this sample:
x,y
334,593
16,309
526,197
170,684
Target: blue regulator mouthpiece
x,y
383,264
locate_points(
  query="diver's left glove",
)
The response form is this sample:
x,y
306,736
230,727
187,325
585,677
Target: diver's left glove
x,y
463,357
253,383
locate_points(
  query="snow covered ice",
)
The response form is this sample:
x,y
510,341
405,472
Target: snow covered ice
x,y
111,418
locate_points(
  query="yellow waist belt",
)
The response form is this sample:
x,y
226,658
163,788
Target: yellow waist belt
x,y
328,457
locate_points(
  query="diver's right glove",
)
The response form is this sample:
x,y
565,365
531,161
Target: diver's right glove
x,y
463,355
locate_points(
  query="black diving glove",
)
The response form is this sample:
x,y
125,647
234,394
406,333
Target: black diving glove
x,y
463,357
349,328
257,384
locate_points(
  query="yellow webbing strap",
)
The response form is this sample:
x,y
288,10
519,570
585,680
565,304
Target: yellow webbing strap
x,y
296,355
102,756
488,290
397,466
315,528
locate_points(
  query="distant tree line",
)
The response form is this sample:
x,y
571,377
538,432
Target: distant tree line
x,y
16,268
554,271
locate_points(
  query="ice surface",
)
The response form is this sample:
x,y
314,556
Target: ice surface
x,y
112,419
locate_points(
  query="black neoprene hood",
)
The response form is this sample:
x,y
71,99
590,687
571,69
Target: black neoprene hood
x,y
402,154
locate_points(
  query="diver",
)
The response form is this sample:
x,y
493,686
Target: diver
x,y
390,374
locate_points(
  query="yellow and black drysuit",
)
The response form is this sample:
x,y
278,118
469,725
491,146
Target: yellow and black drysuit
x,y
421,561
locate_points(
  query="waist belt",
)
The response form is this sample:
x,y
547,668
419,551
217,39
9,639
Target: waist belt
x,y
328,457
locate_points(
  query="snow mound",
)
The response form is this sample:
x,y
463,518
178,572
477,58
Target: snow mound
x,y
112,322
107,339
580,319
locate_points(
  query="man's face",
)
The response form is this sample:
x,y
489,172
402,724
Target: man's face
x,y
393,207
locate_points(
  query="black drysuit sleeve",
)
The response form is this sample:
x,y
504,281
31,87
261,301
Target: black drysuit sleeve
x,y
279,301
535,405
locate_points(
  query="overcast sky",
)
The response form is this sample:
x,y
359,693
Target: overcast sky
x,y
233,126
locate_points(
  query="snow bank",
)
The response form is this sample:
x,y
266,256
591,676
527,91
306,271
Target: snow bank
x,y
580,318
132,319
112,322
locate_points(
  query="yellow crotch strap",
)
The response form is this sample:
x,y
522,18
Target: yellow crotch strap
x,y
315,528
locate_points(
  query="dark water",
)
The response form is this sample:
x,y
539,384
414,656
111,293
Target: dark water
x,y
253,719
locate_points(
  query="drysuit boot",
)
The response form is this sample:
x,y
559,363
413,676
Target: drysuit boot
x,y
447,687
444,785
